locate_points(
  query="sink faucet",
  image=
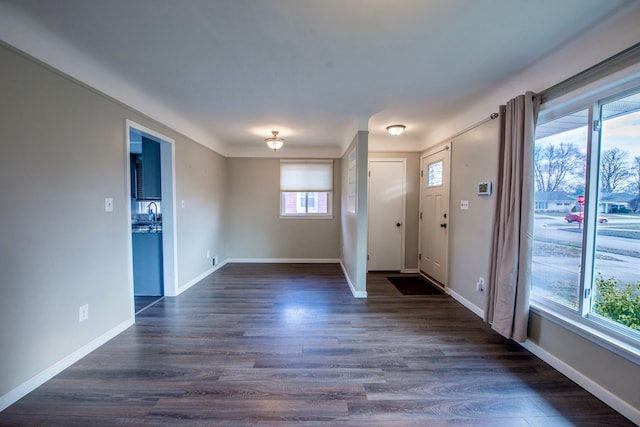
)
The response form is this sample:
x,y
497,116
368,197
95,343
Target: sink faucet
x,y
152,212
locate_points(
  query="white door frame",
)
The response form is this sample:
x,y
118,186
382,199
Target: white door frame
x,y
435,150
169,232
403,161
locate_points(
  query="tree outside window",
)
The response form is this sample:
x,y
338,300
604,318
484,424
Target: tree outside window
x,y
586,248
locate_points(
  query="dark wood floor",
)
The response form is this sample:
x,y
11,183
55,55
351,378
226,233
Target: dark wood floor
x,y
278,345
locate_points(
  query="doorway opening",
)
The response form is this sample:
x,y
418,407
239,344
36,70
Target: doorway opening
x,y
151,190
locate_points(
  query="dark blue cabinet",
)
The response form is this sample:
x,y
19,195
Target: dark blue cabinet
x,y
147,264
151,186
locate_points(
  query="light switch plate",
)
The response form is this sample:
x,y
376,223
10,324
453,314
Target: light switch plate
x,y
83,312
108,204
464,205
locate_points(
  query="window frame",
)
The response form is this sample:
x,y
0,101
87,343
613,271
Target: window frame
x,y
307,214
581,321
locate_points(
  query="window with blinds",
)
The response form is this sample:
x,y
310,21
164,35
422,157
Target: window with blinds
x,y
306,188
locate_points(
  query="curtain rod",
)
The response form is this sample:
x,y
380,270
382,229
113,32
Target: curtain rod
x,y
492,116
602,69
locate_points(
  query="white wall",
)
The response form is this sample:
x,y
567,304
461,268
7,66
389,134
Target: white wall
x,y
254,228
63,152
354,225
474,158
202,186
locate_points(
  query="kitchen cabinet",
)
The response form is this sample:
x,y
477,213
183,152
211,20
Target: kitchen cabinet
x,y
151,168
147,264
132,165
148,180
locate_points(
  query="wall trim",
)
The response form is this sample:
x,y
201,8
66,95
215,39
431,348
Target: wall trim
x,y
410,271
199,277
284,260
468,304
619,405
356,294
30,385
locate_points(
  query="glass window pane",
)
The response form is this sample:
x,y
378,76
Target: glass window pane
x,y
434,174
322,201
311,203
559,163
616,291
302,203
290,203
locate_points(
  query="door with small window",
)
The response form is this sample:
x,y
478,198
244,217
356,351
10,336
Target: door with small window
x,y
434,212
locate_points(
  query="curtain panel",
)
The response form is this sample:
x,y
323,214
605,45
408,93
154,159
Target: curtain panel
x,y
507,304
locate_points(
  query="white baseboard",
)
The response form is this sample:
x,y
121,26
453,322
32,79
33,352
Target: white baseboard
x,y
27,387
284,260
619,405
198,278
468,304
409,271
356,294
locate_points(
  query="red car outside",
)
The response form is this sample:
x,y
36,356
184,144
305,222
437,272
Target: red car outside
x,y
574,217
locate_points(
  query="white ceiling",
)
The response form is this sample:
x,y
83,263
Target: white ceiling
x,y
227,72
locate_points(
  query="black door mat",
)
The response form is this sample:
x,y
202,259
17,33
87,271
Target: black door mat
x,y
414,285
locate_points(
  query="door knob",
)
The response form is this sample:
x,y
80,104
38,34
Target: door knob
x,y
398,224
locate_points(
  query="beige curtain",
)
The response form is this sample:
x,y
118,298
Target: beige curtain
x,y
509,281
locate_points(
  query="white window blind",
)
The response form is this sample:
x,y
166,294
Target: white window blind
x,y
306,176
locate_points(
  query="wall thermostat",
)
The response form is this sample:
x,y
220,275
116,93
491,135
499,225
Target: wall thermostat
x,y
484,188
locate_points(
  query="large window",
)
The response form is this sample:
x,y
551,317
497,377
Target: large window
x,y
306,188
586,251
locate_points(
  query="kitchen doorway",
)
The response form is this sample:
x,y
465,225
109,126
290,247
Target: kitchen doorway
x,y
151,219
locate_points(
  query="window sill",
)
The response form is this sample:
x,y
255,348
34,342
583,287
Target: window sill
x,y
591,331
306,216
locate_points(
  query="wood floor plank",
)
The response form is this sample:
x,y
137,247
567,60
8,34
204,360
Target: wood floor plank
x,y
288,345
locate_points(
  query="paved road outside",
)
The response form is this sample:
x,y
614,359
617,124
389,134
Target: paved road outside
x,y
557,247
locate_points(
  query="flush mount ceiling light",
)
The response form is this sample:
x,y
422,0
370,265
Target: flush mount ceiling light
x,y
274,142
395,129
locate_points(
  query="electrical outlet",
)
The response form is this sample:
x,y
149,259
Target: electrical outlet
x,y
464,205
480,284
83,313
208,254
183,204
108,204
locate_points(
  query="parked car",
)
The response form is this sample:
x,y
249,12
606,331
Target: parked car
x,y
574,217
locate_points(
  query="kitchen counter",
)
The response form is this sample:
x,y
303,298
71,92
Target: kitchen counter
x,y
146,228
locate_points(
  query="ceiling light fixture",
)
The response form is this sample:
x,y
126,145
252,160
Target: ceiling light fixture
x,y
396,129
274,142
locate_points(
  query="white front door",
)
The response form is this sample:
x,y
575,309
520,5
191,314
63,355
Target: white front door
x,y
386,214
434,215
